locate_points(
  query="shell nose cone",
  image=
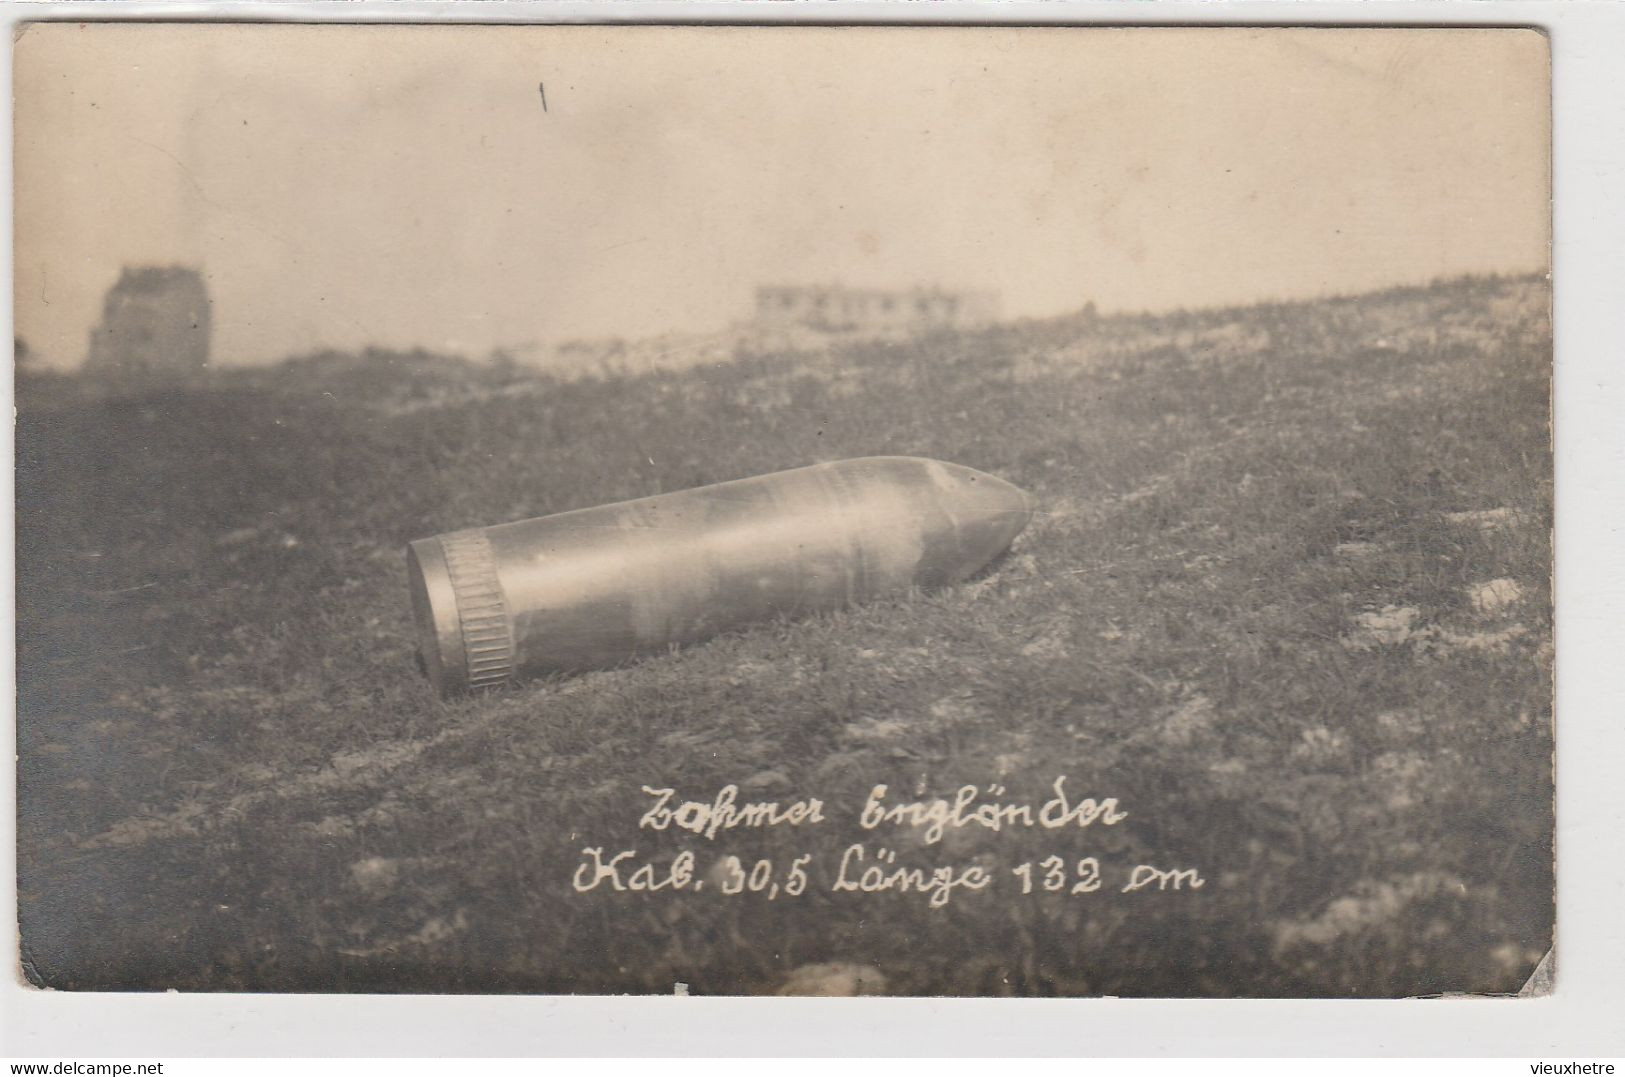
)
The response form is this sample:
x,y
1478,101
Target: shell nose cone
x,y
978,494
982,515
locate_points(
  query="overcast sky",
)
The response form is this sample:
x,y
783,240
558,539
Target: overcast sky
x,y
346,186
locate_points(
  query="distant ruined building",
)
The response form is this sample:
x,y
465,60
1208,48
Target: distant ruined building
x,y
834,309
789,319
155,325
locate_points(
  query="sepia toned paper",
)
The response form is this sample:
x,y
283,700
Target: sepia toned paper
x,y
1256,703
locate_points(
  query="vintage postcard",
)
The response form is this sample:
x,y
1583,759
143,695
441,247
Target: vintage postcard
x,y
784,510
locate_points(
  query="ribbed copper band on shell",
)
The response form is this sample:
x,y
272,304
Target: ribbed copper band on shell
x,y
482,610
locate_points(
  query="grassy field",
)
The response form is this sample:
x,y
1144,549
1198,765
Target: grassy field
x,y
1286,600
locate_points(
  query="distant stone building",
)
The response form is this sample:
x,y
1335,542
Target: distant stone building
x,y
155,324
787,320
834,309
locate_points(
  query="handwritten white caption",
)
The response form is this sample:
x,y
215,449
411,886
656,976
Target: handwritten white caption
x,y
865,869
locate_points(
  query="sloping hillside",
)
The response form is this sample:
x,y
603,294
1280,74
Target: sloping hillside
x,y
1287,602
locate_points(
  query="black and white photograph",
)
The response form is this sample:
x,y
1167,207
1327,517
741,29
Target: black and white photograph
x,y
784,510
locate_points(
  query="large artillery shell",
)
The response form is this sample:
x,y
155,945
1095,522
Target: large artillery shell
x,y
592,588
